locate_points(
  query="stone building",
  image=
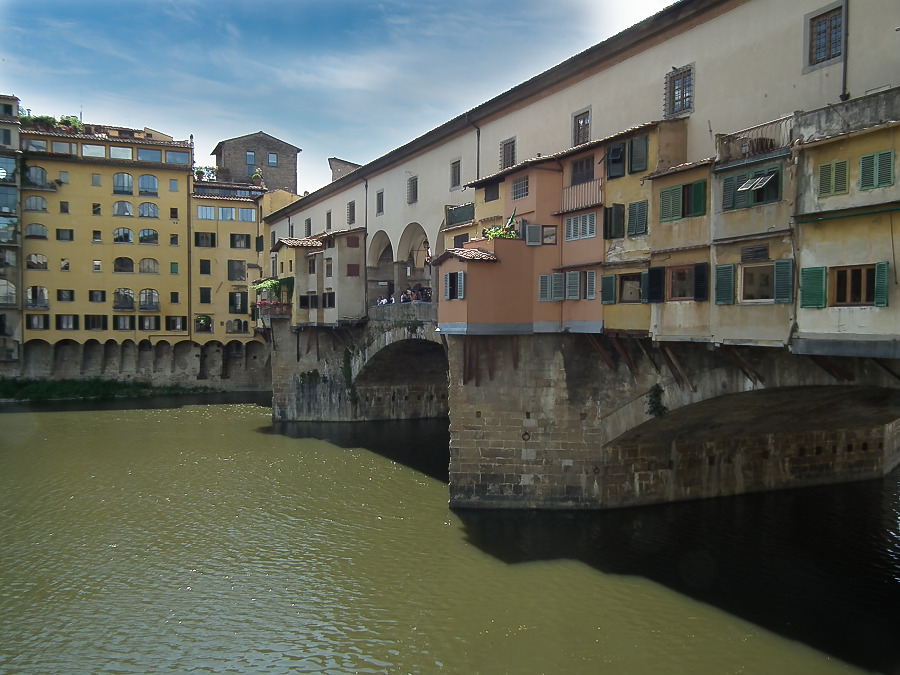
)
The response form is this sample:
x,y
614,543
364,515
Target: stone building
x,y
238,159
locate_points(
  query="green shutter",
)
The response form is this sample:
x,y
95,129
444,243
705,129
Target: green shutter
x,y
784,280
645,286
666,197
608,289
701,281
812,287
742,197
724,284
460,285
632,218
885,168
638,154
614,222
881,284
841,177
867,172
698,198
260,243
446,285
728,188
826,180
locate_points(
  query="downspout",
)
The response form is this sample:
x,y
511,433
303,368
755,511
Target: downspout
x,y
846,34
477,150
796,149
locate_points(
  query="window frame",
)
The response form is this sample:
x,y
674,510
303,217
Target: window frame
x,y
679,95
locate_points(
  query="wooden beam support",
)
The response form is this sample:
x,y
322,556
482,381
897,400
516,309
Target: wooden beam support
x,y
309,334
674,360
832,368
515,351
886,368
746,367
601,350
477,369
490,342
624,354
649,357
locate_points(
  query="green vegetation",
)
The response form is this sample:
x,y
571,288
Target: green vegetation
x,y
347,371
311,376
655,405
97,389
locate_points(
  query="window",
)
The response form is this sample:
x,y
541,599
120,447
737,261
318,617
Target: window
x,y
97,236
148,185
5,137
123,264
174,297
177,157
751,189
273,159
226,213
353,242
149,300
35,204
173,213
97,266
237,270
690,282
124,209
173,268
759,283
123,235
205,266
240,241
833,178
176,323
95,322
64,177
454,285
329,268
95,179
206,213
876,170
307,227
66,322
492,192
38,321
36,261
328,220
250,160
146,155
583,226
123,322
205,239
237,302
148,210
311,266
35,231
64,207
118,152
459,240
825,36
638,150
88,150
412,190
581,127
148,266
97,296
507,153
148,237
173,185
65,235
149,322
629,288
96,209
63,264
205,295
583,170
351,212
682,201
679,95
352,270
36,298
36,175
247,215
519,188
581,285
455,174
551,287
123,298
859,285
173,240
615,160
65,294
637,218
614,221
123,184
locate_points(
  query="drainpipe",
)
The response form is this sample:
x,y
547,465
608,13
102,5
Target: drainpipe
x,y
477,150
846,18
796,149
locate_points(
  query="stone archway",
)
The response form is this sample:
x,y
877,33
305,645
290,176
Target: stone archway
x,y
413,269
379,267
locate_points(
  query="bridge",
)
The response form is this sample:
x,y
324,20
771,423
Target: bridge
x,y
596,421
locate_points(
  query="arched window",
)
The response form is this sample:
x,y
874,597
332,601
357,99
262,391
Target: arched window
x,y
123,298
36,175
148,210
35,231
36,298
123,184
123,265
36,261
7,292
149,266
35,204
123,209
123,235
149,300
148,185
148,237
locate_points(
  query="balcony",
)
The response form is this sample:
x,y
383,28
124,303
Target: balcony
x,y
762,139
123,306
275,310
148,307
7,299
581,196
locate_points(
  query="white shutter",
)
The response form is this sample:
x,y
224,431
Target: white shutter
x,y
543,288
590,285
573,285
558,286
533,235
460,285
446,285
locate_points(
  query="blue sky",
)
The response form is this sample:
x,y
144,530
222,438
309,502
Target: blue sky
x,y
339,78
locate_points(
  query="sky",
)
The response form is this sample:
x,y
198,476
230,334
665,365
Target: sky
x,y
336,78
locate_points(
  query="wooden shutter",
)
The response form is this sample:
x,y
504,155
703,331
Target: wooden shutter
x,y
698,198
608,289
533,235
544,288
841,177
557,286
867,172
885,168
590,285
645,286
701,281
741,197
573,285
446,285
728,189
571,228
637,218
724,284
881,284
638,148
589,225
656,284
667,203
460,285
826,179
784,280
614,222
812,287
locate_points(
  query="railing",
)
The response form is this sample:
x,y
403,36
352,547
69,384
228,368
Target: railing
x,y
759,140
582,196
281,311
149,307
404,311
7,298
37,304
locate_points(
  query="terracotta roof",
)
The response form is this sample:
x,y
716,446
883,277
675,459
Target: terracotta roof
x,y
290,242
681,167
467,254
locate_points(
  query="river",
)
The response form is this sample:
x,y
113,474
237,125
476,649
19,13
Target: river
x,y
200,538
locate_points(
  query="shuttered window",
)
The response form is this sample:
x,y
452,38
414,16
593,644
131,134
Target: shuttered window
x,y
724,284
876,170
573,285
637,218
812,287
551,287
833,178
590,285
682,201
583,226
615,160
653,285
637,154
784,281
614,222
454,285
608,289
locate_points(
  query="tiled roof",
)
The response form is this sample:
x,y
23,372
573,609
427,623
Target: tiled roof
x,y
681,167
467,254
291,242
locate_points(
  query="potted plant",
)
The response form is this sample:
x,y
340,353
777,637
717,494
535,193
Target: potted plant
x,y
257,177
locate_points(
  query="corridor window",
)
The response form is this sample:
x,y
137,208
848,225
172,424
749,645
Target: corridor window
x,y
825,36
507,153
679,91
519,188
582,170
581,127
412,190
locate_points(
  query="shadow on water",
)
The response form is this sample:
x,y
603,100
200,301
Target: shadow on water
x,y
260,398
819,565
420,444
